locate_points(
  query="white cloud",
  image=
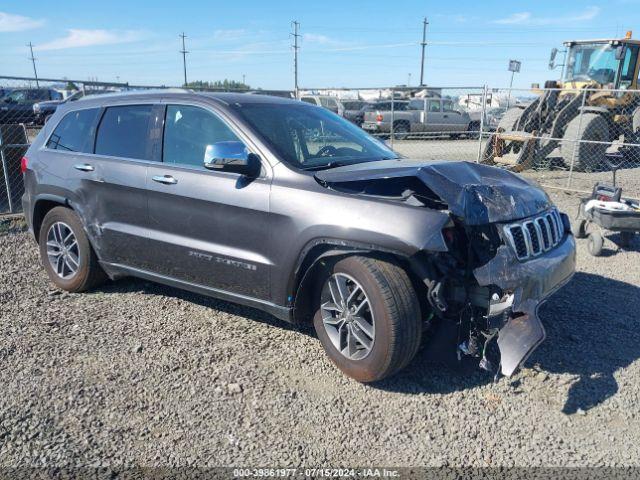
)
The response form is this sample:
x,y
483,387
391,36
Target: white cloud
x,y
319,39
527,18
77,38
230,34
516,18
17,23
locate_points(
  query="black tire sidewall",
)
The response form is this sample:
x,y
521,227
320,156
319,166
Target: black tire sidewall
x,y
588,156
80,279
580,229
375,364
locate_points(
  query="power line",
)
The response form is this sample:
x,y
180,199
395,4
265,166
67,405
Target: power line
x,y
184,57
33,61
295,46
424,44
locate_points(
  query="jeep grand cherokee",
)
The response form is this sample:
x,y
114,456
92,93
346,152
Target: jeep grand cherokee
x,y
288,208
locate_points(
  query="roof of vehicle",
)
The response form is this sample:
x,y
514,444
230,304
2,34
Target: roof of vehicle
x,y
319,96
604,40
221,97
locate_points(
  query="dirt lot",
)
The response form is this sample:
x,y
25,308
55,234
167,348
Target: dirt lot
x,y
136,373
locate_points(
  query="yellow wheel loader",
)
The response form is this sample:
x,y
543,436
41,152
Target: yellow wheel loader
x,y
592,103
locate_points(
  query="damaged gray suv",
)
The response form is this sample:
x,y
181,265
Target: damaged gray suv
x,y
290,209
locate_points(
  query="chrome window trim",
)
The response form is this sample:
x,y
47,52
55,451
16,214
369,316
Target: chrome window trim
x,y
163,100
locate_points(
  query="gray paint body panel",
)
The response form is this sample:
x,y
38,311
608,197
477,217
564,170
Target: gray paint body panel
x,y
242,239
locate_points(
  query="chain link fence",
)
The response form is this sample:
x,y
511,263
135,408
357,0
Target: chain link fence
x,y
570,138
567,139
25,106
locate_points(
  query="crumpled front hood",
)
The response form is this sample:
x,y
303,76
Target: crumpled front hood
x,y
478,194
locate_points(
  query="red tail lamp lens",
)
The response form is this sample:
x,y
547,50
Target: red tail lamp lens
x,y
24,163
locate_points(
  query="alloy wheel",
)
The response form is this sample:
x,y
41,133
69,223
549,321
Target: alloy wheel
x,y
62,250
347,316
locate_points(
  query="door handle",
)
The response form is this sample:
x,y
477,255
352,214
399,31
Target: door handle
x,y
165,179
446,116
84,167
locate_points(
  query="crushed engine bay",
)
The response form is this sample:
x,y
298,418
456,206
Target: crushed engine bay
x,y
479,282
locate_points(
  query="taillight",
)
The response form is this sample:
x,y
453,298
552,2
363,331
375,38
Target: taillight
x,y
378,118
24,163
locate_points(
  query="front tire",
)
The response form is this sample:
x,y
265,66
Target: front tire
x,y
66,253
586,157
579,229
368,318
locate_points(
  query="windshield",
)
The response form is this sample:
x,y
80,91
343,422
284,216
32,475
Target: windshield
x,y
592,62
312,138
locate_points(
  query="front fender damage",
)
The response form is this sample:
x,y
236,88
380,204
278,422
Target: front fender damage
x,y
530,284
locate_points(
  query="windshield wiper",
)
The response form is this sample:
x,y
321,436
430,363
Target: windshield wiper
x,y
325,166
334,164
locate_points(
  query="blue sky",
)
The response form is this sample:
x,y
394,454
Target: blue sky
x,y
344,43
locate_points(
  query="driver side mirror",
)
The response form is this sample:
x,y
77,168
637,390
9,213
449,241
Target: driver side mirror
x,y
232,156
620,51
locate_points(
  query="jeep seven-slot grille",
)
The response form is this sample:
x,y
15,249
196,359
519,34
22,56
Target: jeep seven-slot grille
x,y
531,237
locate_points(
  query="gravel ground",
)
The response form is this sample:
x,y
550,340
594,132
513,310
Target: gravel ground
x,y
139,374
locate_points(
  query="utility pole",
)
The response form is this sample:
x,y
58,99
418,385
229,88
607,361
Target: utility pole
x,y
33,61
409,80
243,77
184,58
424,44
295,46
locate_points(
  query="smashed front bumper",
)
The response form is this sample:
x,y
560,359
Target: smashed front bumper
x,y
531,283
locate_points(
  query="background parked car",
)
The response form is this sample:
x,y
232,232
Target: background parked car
x,y
353,110
5,91
326,101
419,115
43,110
17,107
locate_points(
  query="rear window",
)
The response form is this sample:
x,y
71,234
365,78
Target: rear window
x,y
123,132
310,100
75,132
352,105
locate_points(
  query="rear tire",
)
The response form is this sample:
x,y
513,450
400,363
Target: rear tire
x,y
508,121
71,264
473,130
595,243
401,130
392,314
586,157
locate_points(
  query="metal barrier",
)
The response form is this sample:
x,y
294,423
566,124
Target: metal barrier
x,y
14,141
566,139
